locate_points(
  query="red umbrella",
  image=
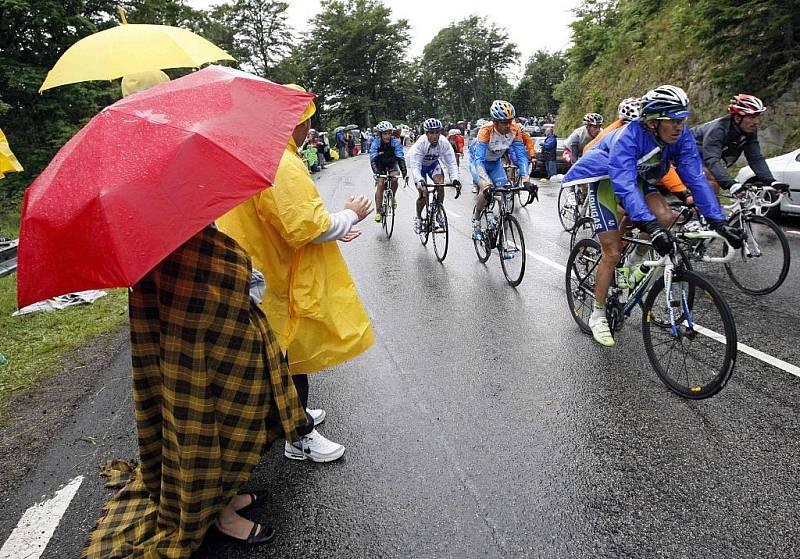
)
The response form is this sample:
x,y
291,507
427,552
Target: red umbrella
x,y
146,174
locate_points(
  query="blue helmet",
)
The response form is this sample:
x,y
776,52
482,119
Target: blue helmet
x,y
432,124
502,110
665,102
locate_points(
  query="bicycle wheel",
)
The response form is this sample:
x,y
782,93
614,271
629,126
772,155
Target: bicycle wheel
x,y
388,212
694,355
568,211
423,235
511,248
441,233
483,248
581,278
764,269
584,229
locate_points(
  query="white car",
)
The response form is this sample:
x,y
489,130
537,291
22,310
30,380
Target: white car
x,y
785,168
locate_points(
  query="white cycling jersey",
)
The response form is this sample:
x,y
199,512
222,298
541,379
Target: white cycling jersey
x,y
424,154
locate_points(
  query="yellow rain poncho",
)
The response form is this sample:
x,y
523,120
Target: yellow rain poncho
x,y
310,299
8,162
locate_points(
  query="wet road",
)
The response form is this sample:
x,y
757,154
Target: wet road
x,y
483,424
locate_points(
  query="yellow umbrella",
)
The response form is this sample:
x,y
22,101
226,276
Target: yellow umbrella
x,y
131,49
8,163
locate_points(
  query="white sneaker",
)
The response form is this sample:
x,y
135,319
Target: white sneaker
x,y
600,331
318,415
313,447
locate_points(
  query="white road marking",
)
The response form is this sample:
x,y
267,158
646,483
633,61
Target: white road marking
x,y
791,232
34,530
753,352
744,348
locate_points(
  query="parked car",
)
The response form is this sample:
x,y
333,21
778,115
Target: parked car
x,y
785,168
561,165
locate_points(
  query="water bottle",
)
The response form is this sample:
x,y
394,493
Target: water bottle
x,y
621,274
491,221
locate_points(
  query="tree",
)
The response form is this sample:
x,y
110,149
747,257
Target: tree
x,y
261,35
354,55
534,93
465,66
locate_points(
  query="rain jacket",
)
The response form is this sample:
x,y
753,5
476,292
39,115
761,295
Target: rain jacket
x,y
310,300
8,163
671,181
630,154
721,144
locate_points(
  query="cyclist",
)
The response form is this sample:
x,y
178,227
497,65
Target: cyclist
x,y
425,159
624,168
723,140
494,139
576,142
628,110
386,156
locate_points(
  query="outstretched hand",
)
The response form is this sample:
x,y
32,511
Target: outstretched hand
x,y
351,235
361,205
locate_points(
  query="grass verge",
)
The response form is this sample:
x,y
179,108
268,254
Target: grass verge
x,y
35,345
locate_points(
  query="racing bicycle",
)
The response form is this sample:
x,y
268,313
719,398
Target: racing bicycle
x,y
434,221
687,326
503,232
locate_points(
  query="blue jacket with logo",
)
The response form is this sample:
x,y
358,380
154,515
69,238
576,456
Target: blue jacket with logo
x,y
631,154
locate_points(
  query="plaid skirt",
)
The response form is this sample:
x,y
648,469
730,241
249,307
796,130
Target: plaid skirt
x,y
211,390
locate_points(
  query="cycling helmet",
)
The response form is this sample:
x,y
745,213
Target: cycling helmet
x,y
432,124
628,109
664,102
744,104
384,126
593,118
502,110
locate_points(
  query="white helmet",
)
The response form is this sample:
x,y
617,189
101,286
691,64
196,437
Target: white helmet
x,y
628,109
665,102
593,118
384,126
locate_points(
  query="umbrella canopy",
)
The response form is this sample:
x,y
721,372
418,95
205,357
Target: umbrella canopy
x,y
338,129
131,49
146,174
8,162
351,127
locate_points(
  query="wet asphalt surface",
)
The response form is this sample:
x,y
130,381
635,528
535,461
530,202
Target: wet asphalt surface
x,y
482,423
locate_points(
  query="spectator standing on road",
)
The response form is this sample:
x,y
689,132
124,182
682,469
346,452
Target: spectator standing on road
x,y
341,144
549,149
210,392
310,299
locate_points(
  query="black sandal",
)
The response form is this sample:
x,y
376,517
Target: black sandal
x,y
255,499
261,533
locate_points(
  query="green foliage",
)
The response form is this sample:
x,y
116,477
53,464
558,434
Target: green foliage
x,y
352,58
755,43
465,67
712,48
35,345
534,94
260,34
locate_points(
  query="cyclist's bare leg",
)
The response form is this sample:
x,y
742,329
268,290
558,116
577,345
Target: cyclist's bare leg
x,y
480,202
422,196
379,193
610,241
395,175
439,179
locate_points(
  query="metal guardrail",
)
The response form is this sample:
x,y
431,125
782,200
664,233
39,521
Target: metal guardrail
x,y
8,256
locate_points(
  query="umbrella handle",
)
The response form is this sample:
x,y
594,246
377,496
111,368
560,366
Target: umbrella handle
x,y
122,17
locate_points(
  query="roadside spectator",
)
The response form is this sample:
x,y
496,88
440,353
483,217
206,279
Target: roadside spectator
x,y
341,144
210,393
310,299
548,154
